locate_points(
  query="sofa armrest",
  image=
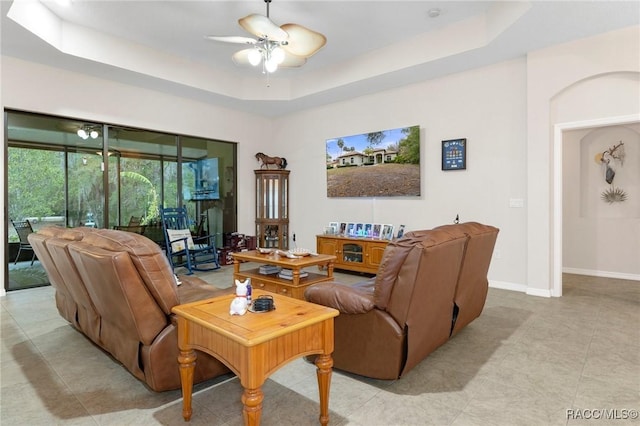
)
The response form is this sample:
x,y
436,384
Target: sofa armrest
x,y
193,289
357,299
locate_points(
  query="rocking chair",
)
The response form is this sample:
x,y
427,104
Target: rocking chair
x,y
24,229
184,249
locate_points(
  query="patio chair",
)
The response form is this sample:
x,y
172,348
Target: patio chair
x,y
23,229
135,221
184,249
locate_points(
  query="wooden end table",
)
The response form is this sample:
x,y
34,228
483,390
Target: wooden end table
x,y
255,345
296,285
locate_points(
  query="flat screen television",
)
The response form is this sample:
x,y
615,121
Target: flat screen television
x,y
384,163
205,180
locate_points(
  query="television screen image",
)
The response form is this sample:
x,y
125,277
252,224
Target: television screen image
x,y
204,175
378,164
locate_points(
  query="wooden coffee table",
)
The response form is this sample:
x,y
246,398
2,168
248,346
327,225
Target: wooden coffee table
x,y
255,345
296,285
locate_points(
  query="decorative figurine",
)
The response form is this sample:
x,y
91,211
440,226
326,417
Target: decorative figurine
x,y
239,304
279,162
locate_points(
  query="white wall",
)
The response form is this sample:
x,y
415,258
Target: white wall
x,y
486,106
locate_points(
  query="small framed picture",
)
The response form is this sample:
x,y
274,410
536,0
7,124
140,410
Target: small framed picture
x,y
343,229
377,230
454,154
334,225
400,231
351,230
368,230
359,230
387,232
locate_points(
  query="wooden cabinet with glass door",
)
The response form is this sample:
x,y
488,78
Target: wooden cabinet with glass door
x,y
272,208
353,254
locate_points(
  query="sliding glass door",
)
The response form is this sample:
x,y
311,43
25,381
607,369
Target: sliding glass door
x,y
76,173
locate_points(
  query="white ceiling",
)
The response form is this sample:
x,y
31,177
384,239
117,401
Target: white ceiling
x,y
371,45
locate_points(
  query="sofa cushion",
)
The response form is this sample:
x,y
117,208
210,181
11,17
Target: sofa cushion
x,y
87,317
71,234
64,300
150,262
354,299
392,260
472,285
422,298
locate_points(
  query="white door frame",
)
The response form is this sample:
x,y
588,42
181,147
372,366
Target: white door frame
x,y
558,130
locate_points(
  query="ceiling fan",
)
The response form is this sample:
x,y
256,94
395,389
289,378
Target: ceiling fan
x,y
288,45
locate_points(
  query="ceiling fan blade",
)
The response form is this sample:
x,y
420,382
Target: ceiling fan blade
x,y
302,41
292,61
263,27
232,39
241,57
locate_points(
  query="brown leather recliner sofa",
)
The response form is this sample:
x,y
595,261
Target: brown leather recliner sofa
x,y
117,288
430,284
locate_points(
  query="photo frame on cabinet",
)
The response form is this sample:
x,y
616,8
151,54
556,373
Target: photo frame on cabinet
x,y
351,230
387,232
334,225
376,231
343,229
368,230
329,230
454,154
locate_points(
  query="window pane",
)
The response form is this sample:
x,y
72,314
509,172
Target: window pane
x,y
35,194
140,180
208,185
86,191
36,186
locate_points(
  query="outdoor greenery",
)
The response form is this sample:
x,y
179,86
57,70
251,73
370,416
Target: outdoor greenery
x,y
38,191
36,183
409,148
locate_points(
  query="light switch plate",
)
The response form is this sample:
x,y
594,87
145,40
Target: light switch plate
x,y
516,202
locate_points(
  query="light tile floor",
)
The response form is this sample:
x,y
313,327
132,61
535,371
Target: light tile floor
x,y
525,361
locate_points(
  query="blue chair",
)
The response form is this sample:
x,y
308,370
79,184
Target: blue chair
x,y
196,253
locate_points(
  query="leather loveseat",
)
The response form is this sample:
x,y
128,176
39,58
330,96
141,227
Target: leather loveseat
x,y
429,285
117,288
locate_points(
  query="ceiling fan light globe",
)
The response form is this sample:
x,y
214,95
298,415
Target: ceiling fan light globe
x,y
82,133
277,55
255,57
270,65
93,134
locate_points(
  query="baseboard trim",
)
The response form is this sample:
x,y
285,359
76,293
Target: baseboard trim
x,y
540,292
503,285
522,288
603,274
